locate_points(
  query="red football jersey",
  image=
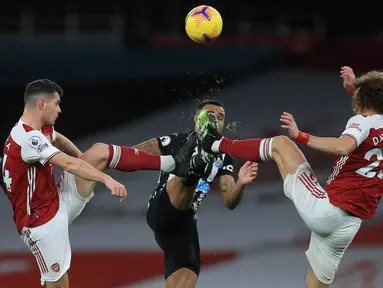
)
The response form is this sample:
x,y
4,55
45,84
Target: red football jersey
x,y
28,177
356,183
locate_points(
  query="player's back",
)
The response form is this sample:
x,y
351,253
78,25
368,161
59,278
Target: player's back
x,y
356,181
28,181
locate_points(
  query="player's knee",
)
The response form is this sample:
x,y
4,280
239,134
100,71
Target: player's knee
x,y
102,150
281,143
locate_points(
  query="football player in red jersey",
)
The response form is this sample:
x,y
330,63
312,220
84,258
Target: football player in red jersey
x,y
353,190
43,209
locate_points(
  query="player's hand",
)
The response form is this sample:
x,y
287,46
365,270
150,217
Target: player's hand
x,y
348,77
289,124
248,172
116,188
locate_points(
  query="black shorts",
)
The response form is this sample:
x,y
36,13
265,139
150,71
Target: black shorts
x,y
175,233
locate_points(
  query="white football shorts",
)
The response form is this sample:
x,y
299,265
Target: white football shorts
x,y
49,242
332,228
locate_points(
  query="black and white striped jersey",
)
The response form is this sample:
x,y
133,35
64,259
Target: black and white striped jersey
x,y
169,144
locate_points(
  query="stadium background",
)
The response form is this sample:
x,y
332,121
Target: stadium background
x,y
129,74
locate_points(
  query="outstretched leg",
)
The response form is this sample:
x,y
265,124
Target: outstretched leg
x,y
171,217
175,232
308,196
181,189
281,149
289,158
103,156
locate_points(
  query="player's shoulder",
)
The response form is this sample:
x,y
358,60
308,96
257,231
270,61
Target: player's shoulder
x,y
367,126
170,143
374,126
372,121
22,133
370,131
184,134
356,122
174,137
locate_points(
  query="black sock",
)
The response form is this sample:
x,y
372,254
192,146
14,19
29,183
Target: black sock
x,y
191,179
197,164
196,170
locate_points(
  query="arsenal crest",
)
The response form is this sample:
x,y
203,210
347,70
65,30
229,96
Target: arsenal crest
x,y
55,267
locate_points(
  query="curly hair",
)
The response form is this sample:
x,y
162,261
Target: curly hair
x,y
369,92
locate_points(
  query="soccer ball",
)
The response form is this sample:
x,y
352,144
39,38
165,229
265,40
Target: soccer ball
x,y
203,24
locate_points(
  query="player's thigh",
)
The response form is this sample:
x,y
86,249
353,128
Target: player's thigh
x,y
74,201
181,250
325,252
97,157
287,155
162,216
311,200
50,245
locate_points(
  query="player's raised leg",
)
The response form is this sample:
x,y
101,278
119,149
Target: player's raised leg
x,y
181,189
103,156
171,217
281,149
184,271
332,228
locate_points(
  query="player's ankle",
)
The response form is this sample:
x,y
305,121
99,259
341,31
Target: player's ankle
x,y
266,149
198,163
216,144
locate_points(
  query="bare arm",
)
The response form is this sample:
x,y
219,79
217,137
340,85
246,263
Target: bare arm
x,y
338,146
65,145
232,192
78,167
150,146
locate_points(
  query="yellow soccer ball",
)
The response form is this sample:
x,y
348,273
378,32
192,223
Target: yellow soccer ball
x,y
203,24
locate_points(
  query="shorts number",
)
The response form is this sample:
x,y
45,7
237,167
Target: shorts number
x,y
367,170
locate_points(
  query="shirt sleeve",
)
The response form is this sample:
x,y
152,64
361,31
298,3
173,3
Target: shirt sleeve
x,y
35,147
170,144
227,166
357,128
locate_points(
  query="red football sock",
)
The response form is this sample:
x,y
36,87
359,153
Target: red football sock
x,y
251,149
128,159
